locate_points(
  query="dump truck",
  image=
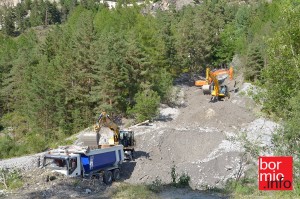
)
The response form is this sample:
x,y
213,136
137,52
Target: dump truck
x,y
85,162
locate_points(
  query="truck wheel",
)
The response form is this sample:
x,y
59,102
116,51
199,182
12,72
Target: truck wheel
x,y
107,177
116,174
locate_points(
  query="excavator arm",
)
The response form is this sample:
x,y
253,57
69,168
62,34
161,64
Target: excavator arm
x,y
217,73
104,120
216,90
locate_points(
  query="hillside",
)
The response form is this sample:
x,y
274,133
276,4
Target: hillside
x,y
61,64
199,138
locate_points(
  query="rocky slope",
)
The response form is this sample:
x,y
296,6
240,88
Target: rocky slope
x,y
200,139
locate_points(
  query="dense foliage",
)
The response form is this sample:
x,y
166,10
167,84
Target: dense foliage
x,y
55,80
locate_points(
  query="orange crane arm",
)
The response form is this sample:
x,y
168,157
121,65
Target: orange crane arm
x,y
216,73
231,73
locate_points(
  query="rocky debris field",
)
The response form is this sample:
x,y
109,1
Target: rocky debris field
x,y
201,139
198,137
40,183
45,184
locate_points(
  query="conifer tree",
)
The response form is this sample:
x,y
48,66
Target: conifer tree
x,y
8,24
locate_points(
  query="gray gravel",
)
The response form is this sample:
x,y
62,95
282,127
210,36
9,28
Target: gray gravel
x,y
24,163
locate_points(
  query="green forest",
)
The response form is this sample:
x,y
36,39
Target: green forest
x,y
61,64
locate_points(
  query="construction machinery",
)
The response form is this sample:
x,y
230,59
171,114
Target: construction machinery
x,y
123,137
218,88
207,81
78,161
104,120
219,73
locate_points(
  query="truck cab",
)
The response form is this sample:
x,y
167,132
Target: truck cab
x,y
67,165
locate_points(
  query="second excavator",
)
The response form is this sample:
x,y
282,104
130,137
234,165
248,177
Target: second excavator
x,y
218,87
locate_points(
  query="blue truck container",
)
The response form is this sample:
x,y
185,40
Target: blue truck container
x,y
78,161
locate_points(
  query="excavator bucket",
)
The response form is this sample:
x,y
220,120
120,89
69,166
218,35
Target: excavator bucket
x,y
90,139
206,89
201,83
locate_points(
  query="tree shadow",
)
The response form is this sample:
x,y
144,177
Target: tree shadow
x,y
188,79
164,118
236,90
140,154
127,167
214,100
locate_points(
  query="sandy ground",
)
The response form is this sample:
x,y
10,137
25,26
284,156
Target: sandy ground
x,y
199,138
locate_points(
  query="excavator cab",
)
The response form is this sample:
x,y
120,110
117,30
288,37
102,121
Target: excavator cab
x,y
218,89
123,137
126,138
223,90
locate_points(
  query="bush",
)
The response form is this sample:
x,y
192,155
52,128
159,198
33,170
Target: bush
x,y
133,192
6,145
173,174
146,106
10,179
245,186
36,142
156,186
183,180
31,143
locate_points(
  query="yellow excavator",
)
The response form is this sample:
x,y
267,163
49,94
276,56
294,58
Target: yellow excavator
x,y
218,72
123,137
218,89
104,120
